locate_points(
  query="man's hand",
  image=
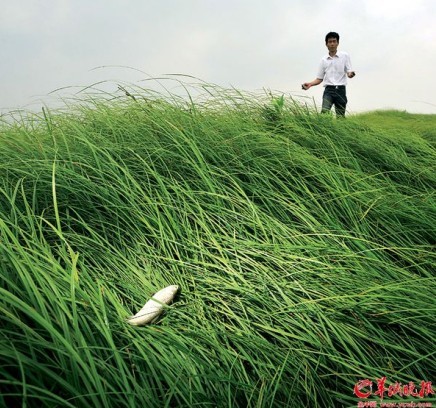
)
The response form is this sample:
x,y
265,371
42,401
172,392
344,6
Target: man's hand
x,y
351,74
308,85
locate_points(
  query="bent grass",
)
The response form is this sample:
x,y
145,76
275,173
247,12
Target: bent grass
x,y
303,246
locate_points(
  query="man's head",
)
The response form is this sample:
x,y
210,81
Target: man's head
x,y
331,35
332,42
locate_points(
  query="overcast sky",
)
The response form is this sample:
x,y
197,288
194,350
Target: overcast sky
x,y
247,44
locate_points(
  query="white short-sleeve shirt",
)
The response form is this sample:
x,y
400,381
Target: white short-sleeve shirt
x,y
333,70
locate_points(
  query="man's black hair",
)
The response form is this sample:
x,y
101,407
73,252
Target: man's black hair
x,y
331,34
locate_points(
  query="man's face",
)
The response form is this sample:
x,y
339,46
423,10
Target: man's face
x,y
332,44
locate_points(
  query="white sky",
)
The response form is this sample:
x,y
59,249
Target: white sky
x,y
247,44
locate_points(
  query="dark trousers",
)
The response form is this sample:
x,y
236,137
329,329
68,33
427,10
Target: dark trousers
x,y
334,95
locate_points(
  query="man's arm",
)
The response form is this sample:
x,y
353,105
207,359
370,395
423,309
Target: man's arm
x,y
349,68
307,85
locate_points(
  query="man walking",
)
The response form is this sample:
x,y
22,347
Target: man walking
x,y
333,70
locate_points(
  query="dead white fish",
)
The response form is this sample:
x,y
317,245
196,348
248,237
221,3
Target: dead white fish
x,y
154,307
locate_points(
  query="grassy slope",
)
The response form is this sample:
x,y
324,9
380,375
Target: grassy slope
x,y
402,121
303,248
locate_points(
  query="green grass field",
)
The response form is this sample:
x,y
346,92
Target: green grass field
x,y
303,247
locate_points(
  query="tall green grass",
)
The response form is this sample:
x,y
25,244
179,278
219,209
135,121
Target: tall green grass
x,y
303,246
